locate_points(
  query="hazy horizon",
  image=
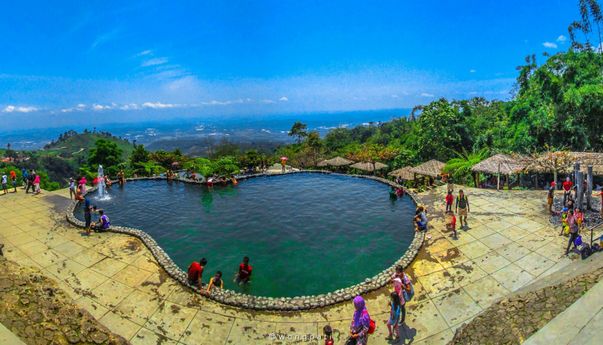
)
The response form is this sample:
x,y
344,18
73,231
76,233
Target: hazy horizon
x,y
137,61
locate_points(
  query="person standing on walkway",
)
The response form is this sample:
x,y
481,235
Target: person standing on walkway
x,y
4,182
449,199
551,196
30,181
36,183
573,235
361,322
72,188
394,317
24,176
13,180
87,215
462,208
567,189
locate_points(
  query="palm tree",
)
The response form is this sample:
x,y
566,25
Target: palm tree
x,y
460,167
595,11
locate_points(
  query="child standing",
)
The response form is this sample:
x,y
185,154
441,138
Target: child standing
x,y
451,224
394,316
449,199
564,222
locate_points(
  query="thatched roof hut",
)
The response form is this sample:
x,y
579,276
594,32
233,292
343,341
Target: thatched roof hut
x,y
431,168
563,162
335,162
501,164
403,173
368,166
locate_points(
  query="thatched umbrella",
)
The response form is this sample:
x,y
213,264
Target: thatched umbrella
x,y
403,173
501,164
335,162
368,166
432,168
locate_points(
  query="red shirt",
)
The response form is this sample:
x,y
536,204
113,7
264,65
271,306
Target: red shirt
x,y
567,185
244,272
449,199
195,271
453,222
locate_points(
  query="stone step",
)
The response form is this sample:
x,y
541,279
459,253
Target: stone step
x,y
581,323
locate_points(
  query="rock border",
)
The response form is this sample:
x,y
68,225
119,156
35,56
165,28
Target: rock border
x,y
236,299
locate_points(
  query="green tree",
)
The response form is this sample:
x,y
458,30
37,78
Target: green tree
x,y
107,154
298,130
460,167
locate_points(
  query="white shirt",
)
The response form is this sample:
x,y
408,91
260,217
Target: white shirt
x,y
4,179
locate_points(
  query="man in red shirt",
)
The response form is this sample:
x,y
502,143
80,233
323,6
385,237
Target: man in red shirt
x,y
195,272
567,188
244,274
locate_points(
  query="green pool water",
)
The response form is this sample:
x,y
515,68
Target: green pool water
x,y
306,234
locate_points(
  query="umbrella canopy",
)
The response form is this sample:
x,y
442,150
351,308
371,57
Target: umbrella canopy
x,y
335,162
500,163
431,168
367,166
403,173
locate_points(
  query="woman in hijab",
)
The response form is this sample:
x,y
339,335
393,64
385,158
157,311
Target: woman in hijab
x,y
360,323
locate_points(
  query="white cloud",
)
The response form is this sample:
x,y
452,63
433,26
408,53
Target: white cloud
x,y
154,62
158,105
472,71
18,109
425,94
561,38
79,107
100,107
394,96
267,101
131,106
284,99
145,52
550,45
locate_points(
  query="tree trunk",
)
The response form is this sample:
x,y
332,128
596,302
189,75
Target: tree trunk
x,y
555,178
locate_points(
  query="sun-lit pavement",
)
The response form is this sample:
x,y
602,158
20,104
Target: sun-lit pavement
x,y
113,276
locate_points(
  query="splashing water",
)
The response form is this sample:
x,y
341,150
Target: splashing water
x,y
102,190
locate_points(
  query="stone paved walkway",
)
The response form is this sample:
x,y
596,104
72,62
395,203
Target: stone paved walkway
x,y
114,277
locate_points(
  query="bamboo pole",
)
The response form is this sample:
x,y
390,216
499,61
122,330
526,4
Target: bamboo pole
x,y
589,188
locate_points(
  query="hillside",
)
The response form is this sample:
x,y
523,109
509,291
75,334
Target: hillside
x,y
76,146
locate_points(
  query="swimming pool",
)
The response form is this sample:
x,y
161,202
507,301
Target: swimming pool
x,y
306,234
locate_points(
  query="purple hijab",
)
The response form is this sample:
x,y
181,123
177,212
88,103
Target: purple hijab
x,y
361,316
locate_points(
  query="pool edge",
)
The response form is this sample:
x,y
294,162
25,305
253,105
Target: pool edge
x,y
236,299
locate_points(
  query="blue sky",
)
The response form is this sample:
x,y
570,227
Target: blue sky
x,y
137,60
